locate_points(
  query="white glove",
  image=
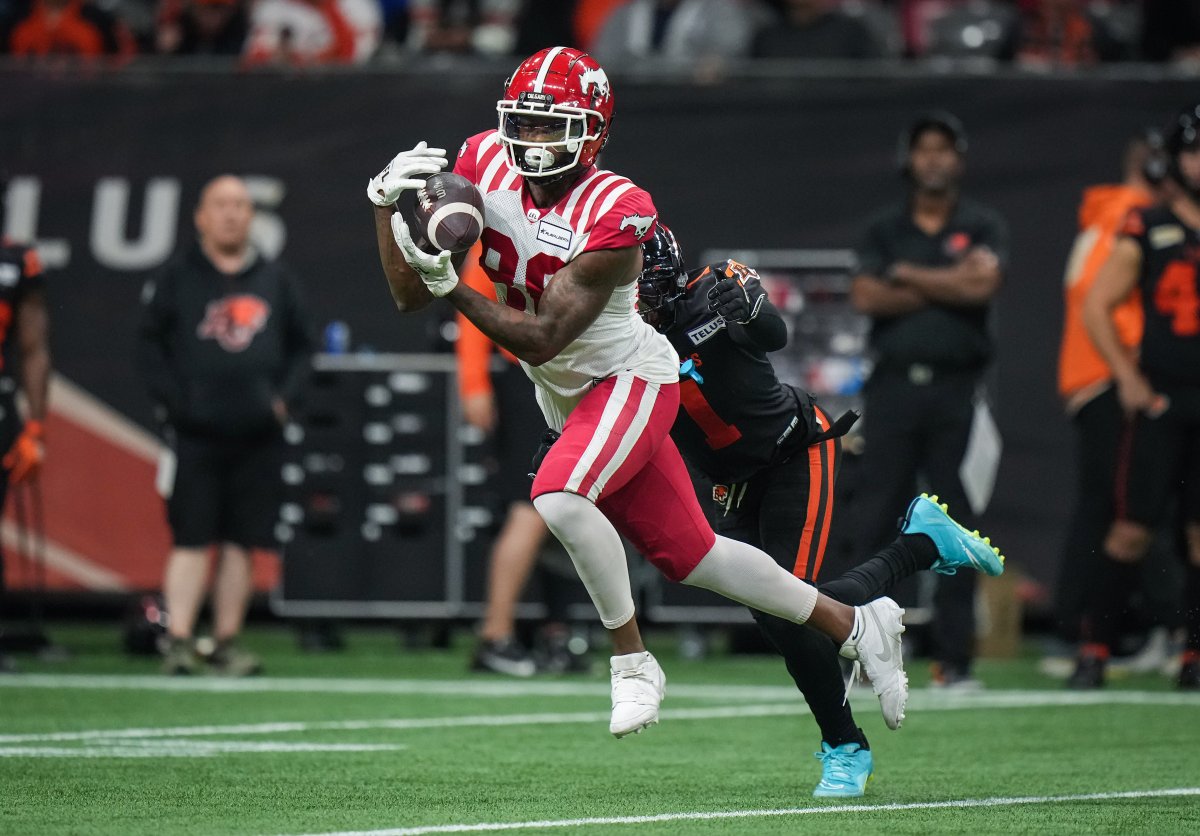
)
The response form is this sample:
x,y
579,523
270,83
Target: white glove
x,y
403,173
437,271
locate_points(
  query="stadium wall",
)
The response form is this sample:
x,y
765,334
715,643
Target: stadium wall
x,y
104,171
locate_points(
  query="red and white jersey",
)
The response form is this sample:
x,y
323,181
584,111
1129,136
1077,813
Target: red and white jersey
x,y
524,246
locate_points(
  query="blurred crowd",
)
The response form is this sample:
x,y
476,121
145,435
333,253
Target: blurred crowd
x,y
1051,34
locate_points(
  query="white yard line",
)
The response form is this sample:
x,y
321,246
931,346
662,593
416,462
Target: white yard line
x,y
434,687
755,814
186,749
485,720
923,700
922,697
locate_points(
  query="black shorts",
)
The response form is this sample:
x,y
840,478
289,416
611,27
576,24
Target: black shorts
x,y
226,491
1159,460
785,509
519,428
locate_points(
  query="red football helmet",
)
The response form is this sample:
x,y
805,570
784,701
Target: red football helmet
x,y
556,113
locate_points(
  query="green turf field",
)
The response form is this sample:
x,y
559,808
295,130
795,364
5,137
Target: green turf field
x,y
384,740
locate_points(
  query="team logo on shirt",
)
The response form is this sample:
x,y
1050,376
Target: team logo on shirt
x,y
234,320
720,493
594,78
957,243
640,223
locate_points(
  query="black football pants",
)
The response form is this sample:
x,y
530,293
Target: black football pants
x,y
913,430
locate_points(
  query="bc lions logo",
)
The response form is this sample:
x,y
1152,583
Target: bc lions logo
x,y
640,223
234,320
957,244
597,78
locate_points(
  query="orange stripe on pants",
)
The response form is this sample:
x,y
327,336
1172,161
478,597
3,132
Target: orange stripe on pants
x,y
822,459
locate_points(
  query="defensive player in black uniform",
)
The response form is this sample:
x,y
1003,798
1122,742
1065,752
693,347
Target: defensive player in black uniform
x,y
772,455
24,364
1158,252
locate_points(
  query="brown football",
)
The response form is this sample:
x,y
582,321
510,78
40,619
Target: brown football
x,y
448,214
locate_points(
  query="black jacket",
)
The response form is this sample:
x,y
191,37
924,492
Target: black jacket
x,y
216,349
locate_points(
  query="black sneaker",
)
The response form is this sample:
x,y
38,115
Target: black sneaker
x,y
229,659
180,659
1089,673
1189,673
505,656
560,651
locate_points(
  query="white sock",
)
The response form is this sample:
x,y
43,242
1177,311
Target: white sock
x,y
595,549
744,574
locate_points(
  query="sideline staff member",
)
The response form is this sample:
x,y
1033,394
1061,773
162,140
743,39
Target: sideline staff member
x,y
224,347
24,364
929,267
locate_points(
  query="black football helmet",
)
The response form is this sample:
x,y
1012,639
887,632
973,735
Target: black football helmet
x,y
663,278
1183,134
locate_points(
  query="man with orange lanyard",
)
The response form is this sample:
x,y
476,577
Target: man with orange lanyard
x,y
772,455
24,364
1085,380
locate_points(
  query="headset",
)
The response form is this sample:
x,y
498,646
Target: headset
x,y
1157,164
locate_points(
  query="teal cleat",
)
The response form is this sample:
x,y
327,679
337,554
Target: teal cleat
x,y
844,772
957,546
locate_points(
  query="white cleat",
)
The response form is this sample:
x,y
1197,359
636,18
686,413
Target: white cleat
x,y
875,644
638,686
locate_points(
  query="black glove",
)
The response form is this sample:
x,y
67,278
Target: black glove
x,y
548,438
738,299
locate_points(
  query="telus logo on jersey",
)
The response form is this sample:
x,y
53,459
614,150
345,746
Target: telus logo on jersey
x,y
234,320
640,223
707,330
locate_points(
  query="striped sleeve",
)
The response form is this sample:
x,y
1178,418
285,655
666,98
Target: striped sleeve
x,y
624,217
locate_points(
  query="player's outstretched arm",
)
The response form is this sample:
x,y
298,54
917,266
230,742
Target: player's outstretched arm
x,y
573,299
750,318
408,291
406,171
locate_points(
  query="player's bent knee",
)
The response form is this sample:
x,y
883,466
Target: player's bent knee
x,y
561,510
1127,541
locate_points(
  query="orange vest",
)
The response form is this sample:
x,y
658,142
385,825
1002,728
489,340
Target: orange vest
x,y
474,348
1100,216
